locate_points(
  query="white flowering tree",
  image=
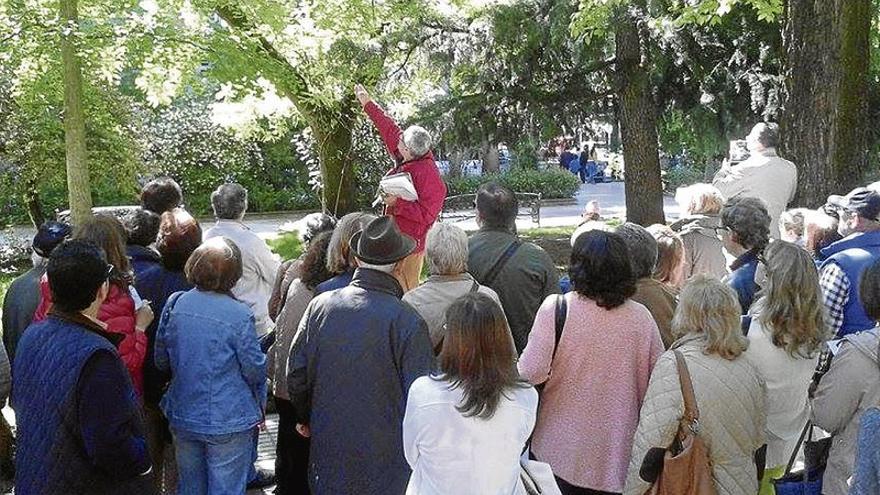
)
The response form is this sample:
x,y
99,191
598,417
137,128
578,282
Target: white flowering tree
x,y
276,63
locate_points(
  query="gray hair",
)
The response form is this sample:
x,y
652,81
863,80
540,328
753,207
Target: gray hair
x,y
446,250
339,258
748,219
379,268
230,201
643,249
417,140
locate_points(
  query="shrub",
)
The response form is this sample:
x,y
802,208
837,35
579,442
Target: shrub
x,y
552,184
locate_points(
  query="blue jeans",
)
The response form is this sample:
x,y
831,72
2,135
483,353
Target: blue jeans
x,y
213,464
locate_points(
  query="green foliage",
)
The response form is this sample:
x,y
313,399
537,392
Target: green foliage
x,y
5,281
552,184
287,245
712,11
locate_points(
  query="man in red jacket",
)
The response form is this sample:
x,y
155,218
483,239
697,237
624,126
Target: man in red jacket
x,y
411,150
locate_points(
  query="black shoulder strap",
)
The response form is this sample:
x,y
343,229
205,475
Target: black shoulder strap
x,y
475,286
493,272
561,315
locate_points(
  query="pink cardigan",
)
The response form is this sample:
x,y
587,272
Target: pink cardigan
x,y
590,406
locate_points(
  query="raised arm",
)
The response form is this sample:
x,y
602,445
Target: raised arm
x,y
387,127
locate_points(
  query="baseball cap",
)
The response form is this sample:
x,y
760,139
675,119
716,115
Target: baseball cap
x,y
861,200
49,235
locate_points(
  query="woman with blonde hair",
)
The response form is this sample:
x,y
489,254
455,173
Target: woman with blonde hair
x,y
701,209
671,257
786,333
340,261
729,393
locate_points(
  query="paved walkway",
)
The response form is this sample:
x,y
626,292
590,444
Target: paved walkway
x,y
610,196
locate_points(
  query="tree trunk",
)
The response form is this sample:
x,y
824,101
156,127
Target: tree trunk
x,y
824,122
489,155
78,189
34,206
638,126
333,135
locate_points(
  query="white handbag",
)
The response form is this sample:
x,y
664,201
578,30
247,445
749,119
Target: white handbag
x,y
536,478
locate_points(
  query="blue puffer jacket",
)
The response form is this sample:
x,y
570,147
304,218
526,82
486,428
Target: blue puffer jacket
x,y
61,449
853,254
209,342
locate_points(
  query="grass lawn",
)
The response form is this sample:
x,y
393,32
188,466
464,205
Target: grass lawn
x,y
286,245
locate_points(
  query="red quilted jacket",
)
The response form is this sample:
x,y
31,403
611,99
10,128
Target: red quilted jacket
x,y
118,313
414,218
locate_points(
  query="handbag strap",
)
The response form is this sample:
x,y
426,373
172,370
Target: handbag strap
x,y
561,315
475,286
797,447
691,411
508,253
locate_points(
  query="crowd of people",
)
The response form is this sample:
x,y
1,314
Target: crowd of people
x,y
144,349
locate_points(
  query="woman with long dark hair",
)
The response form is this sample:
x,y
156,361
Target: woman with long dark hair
x,y
601,367
465,426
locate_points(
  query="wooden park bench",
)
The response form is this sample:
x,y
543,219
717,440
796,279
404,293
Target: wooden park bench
x,y
463,207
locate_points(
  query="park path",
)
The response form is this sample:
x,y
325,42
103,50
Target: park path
x,y
610,196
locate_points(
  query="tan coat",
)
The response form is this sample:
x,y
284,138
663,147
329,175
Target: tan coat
x,y
433,298
765,176
295,304
703,250
661,300
730,397
850,387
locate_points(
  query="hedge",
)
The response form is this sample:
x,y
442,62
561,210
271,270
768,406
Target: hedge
x,y
552,184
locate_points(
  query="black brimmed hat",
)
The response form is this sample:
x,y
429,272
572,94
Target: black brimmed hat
x,y
381,243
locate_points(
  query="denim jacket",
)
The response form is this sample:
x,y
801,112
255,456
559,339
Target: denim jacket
x,y
218,374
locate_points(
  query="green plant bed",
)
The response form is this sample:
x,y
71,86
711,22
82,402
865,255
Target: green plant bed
x,y
552,184
287,245
6,279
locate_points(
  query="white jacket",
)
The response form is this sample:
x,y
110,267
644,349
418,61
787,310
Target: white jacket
x,y
765,176
450,453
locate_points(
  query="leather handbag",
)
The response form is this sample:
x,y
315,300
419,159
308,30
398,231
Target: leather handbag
x,y
687,469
